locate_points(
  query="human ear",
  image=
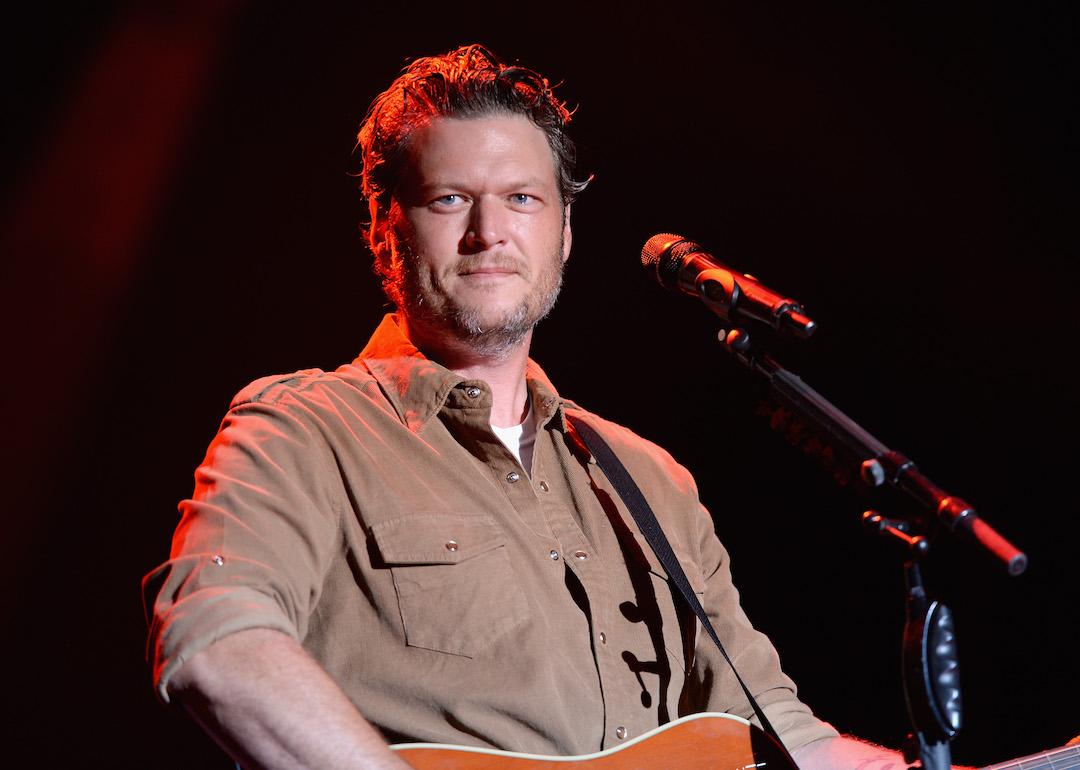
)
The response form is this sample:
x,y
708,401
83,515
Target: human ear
x,y
567,234
377,234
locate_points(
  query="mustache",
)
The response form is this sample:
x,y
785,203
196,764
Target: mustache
x,y
472,263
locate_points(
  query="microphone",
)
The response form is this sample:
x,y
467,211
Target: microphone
x,y
682,265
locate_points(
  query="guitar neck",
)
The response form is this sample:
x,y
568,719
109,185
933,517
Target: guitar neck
x,y
1058,759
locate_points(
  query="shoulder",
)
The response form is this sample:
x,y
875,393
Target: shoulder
x,y
293,415
644,459
271,388
310,386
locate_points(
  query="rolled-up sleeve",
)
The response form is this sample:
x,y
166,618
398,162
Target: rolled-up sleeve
x,y
254,541
752,653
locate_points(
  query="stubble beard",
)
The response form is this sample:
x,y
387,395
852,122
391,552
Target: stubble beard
x,y
425,301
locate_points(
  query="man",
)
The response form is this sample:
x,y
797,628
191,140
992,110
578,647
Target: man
x,y
419,542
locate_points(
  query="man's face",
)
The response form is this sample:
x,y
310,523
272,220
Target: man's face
x,y
479,227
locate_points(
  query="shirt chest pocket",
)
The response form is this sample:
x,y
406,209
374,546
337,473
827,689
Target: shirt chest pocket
x,y
674,609
456,588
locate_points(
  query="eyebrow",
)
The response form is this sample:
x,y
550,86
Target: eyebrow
x,y
439,184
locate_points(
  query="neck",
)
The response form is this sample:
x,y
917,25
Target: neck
x,y
504,372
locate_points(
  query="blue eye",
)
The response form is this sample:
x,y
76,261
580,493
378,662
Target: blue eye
x,y
522,199
448,200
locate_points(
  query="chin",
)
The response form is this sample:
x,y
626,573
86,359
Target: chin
x,y
477,322
489,317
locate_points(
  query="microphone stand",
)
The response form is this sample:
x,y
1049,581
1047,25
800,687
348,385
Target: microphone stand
x,y
930,664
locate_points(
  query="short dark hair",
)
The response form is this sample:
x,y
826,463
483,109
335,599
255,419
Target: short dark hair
x,y
469,82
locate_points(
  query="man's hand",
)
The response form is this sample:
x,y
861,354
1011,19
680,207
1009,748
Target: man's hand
x,y
270,705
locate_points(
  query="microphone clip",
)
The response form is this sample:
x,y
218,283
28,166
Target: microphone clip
x,y
731,296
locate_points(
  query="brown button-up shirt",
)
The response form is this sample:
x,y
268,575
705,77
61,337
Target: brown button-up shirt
x,y
456,597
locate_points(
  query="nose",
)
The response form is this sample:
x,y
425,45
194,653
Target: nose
x,y
487,224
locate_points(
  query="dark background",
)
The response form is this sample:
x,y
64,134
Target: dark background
x,y
179,218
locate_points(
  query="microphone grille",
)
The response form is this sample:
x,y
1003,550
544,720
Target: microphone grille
x,y
655,247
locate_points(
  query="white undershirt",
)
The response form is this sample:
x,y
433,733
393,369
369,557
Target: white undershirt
x,y
520,439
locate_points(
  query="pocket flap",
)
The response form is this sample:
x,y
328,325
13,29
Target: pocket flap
x,y
693,575
435,538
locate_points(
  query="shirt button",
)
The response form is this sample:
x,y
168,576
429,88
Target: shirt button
x,y
581,555
554,555
603,638
513,477
473,392
451,545
620,732
544,487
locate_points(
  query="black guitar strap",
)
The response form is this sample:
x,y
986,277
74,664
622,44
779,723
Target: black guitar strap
x,y
646,520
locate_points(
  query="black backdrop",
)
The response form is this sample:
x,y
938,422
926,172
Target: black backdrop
x,y
904,172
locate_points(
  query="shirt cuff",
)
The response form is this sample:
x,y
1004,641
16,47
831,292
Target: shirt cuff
x,y
202,618
795,722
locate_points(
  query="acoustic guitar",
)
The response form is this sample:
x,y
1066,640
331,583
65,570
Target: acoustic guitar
x,y
695,742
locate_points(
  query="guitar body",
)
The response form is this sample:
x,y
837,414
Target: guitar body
x,y
695,742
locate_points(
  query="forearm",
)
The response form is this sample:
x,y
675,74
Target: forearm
x,y
269,705
847,753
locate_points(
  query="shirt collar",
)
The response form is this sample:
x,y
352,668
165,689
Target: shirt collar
x,y
547,404
418,388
